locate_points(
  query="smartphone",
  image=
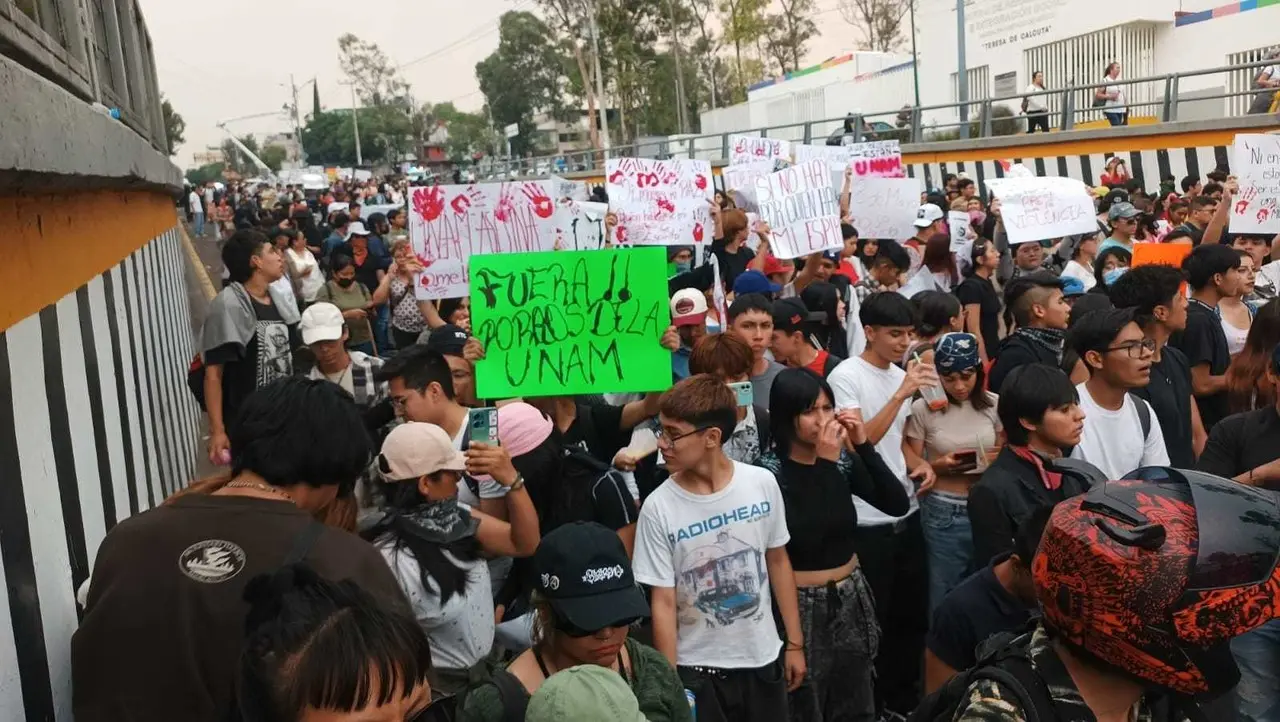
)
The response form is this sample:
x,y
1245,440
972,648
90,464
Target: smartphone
x,y
482,426
967,459
744,392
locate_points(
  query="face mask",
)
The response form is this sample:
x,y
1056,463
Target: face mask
x,y
345,282
683,266
1110,277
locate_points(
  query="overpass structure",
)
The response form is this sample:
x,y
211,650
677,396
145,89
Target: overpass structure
x,y
96,423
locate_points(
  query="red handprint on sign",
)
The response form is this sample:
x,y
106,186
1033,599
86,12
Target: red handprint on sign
x,y
697,232
542,204
426,262
463,202
616,176
506,205
700,181
429,203
622,234
1263,215
1241,207
665,204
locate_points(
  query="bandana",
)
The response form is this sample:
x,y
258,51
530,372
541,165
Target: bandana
x,y
1051,480
956,352
443,521
1050,339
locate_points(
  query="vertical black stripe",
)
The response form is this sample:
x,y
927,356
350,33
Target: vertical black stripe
x,y
19,562
928,179
959,167
155,361
1017,161
981,180
942,175
1193,163
188,349
182,422
1062,167
126,432
1135,167
64,458
1086,169
911,171
999,169
126,269
1040,170
93,381
1221,158
1162,160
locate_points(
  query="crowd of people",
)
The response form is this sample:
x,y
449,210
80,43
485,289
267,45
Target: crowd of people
x,y
1038,491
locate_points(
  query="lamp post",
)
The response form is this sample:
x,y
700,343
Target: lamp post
x,y
915,59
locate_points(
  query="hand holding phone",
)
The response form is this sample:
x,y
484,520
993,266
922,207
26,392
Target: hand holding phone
x,y
482,425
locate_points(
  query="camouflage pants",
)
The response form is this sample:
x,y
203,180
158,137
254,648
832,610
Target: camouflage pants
x,y
841,637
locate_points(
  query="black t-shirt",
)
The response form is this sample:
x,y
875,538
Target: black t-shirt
x,y
1197,234
976,609
978,290
1169,394
732,265
1204,342
1243,442
268,356
596,430
367,274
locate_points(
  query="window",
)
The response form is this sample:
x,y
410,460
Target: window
x,y
101,48
44,13
979,80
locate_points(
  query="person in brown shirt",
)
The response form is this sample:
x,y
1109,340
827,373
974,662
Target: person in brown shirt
x,y
162,631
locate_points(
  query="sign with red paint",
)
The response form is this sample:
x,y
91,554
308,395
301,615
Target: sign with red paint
x,y
749,149
877,159
448,224
1256,208
660,202
801,208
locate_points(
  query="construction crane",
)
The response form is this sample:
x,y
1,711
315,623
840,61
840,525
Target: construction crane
x,y
262,167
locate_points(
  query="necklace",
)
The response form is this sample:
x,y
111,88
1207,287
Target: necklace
x,y
256,486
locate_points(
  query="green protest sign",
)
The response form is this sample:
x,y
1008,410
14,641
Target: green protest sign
x,y
571,322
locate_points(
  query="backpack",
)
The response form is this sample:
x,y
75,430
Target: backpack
x,y
1144,415
511,694
195,380
1006,664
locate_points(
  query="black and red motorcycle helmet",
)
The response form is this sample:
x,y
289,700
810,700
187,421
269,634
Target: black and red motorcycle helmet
x,y
1154,574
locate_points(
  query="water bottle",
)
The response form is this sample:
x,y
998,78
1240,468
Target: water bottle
x,y
934,396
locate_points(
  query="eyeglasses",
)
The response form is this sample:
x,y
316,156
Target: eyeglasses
x,y
666,438
1136,349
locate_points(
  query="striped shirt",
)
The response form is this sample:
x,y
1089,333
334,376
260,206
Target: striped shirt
x,y
357,379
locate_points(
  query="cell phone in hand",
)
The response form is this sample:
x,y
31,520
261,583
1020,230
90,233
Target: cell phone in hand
x,y
482,426
744,393
967,459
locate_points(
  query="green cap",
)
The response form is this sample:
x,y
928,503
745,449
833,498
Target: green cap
x,y
586,693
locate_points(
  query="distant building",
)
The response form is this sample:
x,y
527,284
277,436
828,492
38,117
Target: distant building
x,y
292,146
208,156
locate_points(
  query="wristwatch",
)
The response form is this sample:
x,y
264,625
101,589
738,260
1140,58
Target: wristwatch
x,y
518,483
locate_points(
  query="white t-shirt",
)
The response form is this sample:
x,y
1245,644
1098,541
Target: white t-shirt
x,y
859,385
489,489
1075,269
1116,104
1035,103
461,631
193,200
311,283
711,548
1112,440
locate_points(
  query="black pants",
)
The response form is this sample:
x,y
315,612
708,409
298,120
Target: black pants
x,y
403,339
738,695
1038,119
895,563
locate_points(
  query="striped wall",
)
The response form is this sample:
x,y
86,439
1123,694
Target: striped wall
x,y
100,426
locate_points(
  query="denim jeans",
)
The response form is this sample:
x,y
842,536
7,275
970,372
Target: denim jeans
x,y
949,538
1258,656
841,637
198,223
1117,118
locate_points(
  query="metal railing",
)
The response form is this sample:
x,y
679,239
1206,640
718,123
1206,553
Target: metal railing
x,y
1070,107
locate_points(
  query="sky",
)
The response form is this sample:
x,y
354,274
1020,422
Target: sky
x,y
225,59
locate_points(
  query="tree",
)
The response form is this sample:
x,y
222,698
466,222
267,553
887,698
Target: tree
x,y
744,26
330,140
274,156
206,173
790,30
174,126
377,80
523,77
468,133
569,19
879,20
237,160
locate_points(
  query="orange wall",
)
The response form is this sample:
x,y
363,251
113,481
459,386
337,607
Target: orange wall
x,y
52,244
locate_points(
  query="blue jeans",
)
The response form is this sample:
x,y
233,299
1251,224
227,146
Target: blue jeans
x,y
198,222
948,537
1118,118
381,322
1258,655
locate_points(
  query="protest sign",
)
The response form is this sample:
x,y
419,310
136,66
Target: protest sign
x,y
580,225
885,207
837,158
740,182
958,222
450,224
565,188
570,322
660,202
750,149
1257,167
1160,254
877,159
800,207
717,292
363,175
1036,209
922,281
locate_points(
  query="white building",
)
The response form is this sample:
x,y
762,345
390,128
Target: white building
x,y
1006,40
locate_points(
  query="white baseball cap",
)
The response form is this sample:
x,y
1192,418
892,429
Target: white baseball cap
x,y
356,228
688,307
928,215
321,322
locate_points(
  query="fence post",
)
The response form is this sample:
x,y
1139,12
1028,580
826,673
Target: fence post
x,y
984,130
1068,108
857,127
917,118
808,135
724,145
1171,98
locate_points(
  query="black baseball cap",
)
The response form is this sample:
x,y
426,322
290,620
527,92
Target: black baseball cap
x,y
790,315
585,575
447,340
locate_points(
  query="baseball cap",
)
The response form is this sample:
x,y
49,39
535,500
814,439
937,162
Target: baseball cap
x,y
585,693
773,264
790,315
356,228
1072,286
321,322
832,255
928,215
753,282
585,575
688,307
415,449
447,340
1122,209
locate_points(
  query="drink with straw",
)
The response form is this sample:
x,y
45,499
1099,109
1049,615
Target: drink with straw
x,y
934,396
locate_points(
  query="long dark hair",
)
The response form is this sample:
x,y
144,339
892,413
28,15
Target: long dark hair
x,y
939,258
979,397
449,306
1100,262
824,297
405,533
1247,373
937,308
795,391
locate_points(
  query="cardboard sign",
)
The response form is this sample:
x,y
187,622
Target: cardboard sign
x,y
800,207
565,188
740,182
885,207
1036,209
877,159
580,226
566,322
1257,166
958,223
660,202
837,158
750,149
1160,254
448,225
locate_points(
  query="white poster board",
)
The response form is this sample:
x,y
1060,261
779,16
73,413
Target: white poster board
x,y
958,223
876,159
450,223
740,182
751,149
660,202
580,225
1256,163
565,188
885,207
836,156
800,207
1036,209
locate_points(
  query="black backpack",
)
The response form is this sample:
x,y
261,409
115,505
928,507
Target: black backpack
x,y
1006,664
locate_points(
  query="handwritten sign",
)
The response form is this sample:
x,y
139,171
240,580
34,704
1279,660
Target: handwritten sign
x,y
958,223
1257,167
800,206
877,159
837,158
580,225
568,322
449,224
750,149
885,207
660,202
740,182
565,188
1036,209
